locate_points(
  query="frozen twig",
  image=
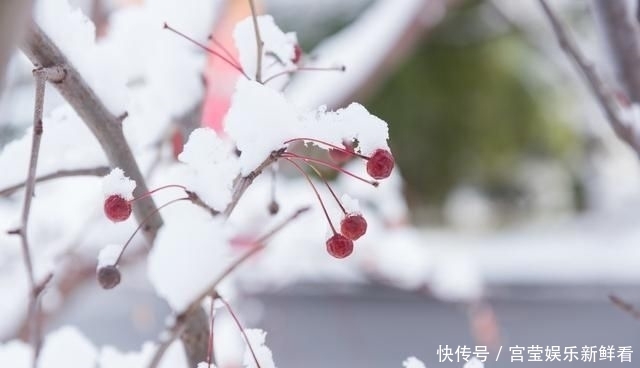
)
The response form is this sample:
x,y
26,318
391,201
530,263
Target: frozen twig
x,y
259,43
603,95
103,124
623,39
94,171
243,183
625,306
53,74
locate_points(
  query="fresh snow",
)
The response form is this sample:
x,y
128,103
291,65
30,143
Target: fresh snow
x,y
257,339
413,362
116,183
109,254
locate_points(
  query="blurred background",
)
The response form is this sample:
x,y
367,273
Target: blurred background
x,y
514,216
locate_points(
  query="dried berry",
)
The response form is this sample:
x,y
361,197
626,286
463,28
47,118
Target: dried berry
x,y
339,246
117,208
353,226
380,164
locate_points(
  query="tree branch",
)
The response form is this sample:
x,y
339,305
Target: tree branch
x,y
95,171
603,95
103,124
259,43
625,306
42,75
624,42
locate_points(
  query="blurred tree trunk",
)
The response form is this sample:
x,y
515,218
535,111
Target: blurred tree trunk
x,y
13,20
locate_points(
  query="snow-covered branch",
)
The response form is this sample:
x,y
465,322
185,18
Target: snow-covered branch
x,y
103,124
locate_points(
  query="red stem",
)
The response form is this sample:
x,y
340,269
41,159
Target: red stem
x,y
208,49
158,189
244,334
315,190
224,49
342,149
142,223
304,69
330,165
328,186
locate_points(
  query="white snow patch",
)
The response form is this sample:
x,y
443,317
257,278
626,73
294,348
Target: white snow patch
x,y
186,258
58,345
117,183
16,354
109,254
214,167
257,339
474,363
413,362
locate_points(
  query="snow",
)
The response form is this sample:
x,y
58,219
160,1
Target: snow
x,y
257,339
109,254
16,354
259,111
413,362
186,259
111,357
58,345
278,47
347,124
74,34
213,167
116,183
474,363
259,121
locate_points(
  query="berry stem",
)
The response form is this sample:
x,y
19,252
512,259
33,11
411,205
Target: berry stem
x,y
143,222
244,334
149,193
206,48
341,149
328,186
224,49
305,69
315,190
330,165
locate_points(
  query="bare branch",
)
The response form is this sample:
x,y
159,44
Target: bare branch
x,y
95,171
623,39
103,124
627,307
42,75
603,95
259,42
245,182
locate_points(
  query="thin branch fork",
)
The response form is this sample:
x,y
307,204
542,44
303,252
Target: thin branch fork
x,y
603,95
54,74
104,125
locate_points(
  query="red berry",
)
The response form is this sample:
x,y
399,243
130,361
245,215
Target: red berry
x,y
380,164
339,156
353,226
117,208
297,54
339,246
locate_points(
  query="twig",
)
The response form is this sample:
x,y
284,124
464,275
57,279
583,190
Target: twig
x,y
604,97
103,124
42,75
259,43
627,307
245,182
178,326
242,330
624,42
95,171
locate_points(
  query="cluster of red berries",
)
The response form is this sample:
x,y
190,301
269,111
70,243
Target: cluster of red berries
x,y
353,226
